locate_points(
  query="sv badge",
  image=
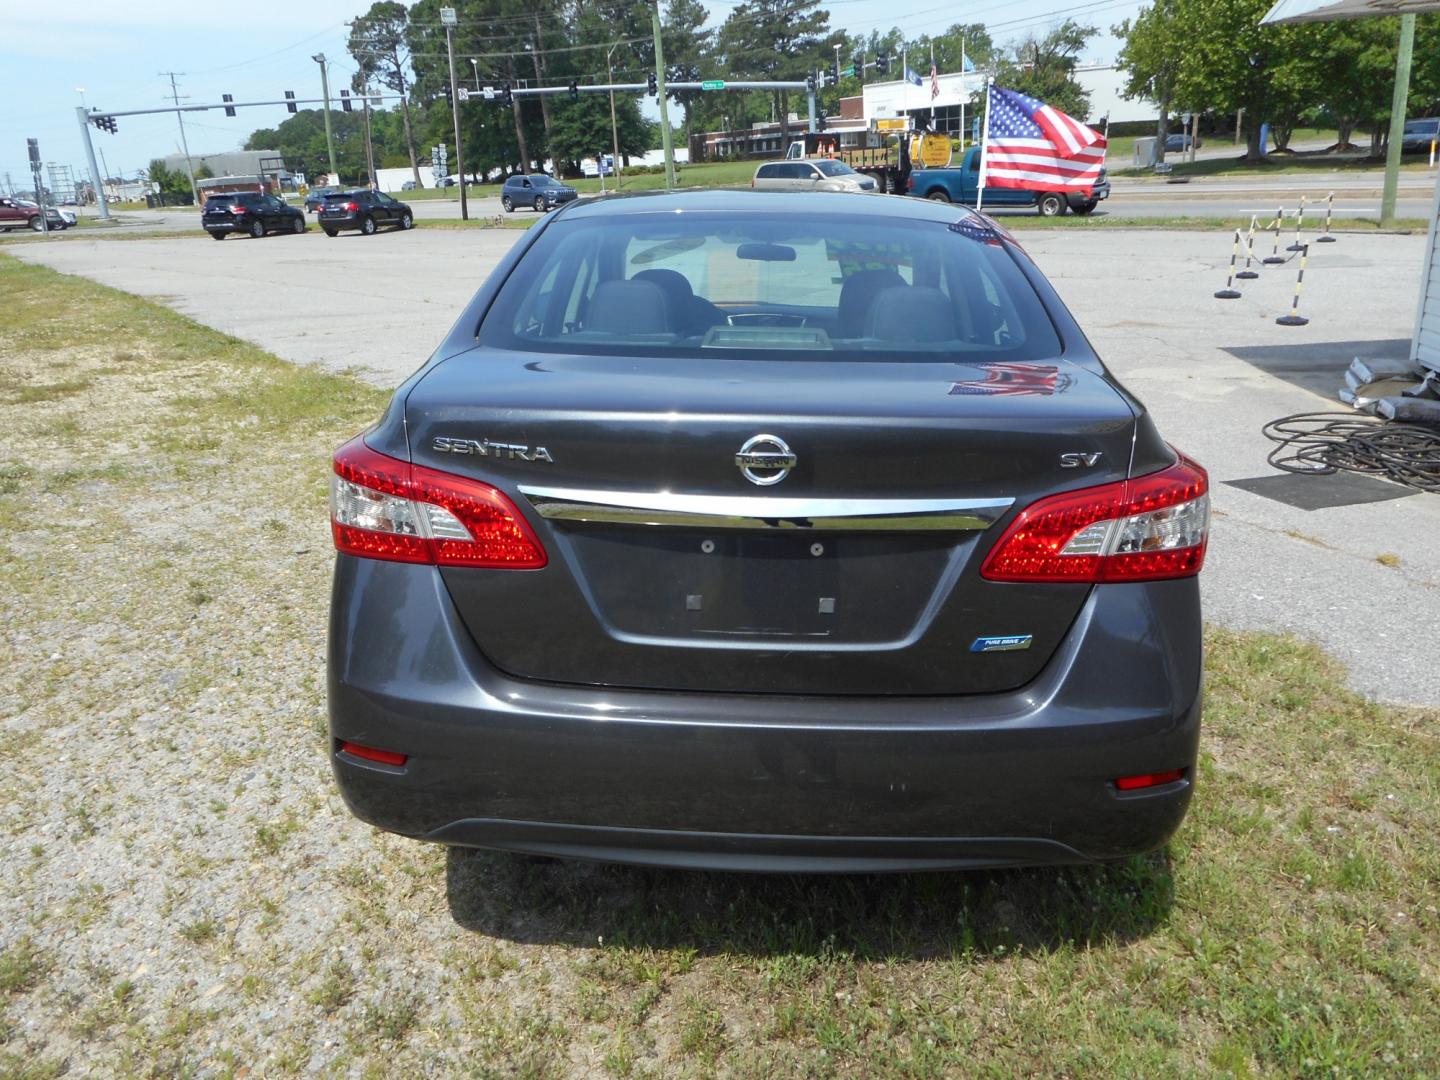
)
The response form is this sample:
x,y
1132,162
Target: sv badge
x,y
1075,459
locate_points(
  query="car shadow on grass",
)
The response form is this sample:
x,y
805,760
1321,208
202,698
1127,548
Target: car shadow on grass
x,y
916,916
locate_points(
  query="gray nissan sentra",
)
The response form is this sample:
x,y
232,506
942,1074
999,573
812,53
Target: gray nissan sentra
x,y
755,531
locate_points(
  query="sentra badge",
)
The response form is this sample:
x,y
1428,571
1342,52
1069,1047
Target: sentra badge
x,y
491,449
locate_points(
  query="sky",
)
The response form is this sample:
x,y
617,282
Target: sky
x,y
117,52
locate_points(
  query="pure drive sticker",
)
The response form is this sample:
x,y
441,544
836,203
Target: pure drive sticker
x,y
1004,643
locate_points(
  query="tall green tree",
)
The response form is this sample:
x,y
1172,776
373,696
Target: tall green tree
x,y
776,40
378,44
1044,67
1150,60
687,52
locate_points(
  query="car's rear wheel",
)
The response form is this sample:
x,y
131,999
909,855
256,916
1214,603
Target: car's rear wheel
x,y
367,225
330,232
1051,204
938,195
1085,207
37,224
217,236
257,228
298,224
539,205
507,204
407,220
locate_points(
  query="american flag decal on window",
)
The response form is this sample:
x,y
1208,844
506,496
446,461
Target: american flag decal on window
x,y
1013,380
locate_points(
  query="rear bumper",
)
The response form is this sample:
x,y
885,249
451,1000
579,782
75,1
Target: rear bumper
x,y
340,221
222,226
764,782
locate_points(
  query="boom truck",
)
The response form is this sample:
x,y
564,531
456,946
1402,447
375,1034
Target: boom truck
x,y
885,155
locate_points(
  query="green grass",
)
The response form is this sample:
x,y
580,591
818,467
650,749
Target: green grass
x,y
1016,222
1288,929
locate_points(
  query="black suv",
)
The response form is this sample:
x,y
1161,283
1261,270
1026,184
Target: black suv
x,y
539,191
249,212
364,210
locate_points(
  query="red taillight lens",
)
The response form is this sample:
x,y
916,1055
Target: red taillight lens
x,y
237,209
910,183
1146,529
1147,780
384,508
370,753
352,207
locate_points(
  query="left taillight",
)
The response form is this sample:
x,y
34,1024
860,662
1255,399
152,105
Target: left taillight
x,y
385,508
1145,529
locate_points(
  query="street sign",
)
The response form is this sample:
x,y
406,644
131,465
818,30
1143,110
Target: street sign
x,y
849,72
489,93
447,17
891,124
463,93
713,84
935,151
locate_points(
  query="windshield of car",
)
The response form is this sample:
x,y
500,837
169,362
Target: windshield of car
x,y
860,287
834,168
543,181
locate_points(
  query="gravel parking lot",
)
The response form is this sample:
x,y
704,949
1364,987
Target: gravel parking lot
x,y
1361,580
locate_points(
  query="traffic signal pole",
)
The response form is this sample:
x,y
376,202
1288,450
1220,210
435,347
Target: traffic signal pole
x,y
666,139
84,119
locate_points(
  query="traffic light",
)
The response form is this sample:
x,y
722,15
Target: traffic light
x,y
821,119
810,82
345,100
882,64
229,110
860,66
574,90
507,96
835,71
33,145
651,85
104,123
290,100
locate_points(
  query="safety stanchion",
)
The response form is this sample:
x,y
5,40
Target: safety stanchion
x,y
1294,318
1299,220
1229,292
1275,258
1247,274
1329,209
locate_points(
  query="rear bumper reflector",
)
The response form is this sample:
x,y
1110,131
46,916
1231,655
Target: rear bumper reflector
x,y
370,753
1149,780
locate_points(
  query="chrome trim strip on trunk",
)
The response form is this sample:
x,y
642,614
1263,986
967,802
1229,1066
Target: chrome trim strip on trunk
x,y
764,512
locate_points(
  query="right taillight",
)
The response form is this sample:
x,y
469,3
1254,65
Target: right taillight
x,y
1145,529
385,508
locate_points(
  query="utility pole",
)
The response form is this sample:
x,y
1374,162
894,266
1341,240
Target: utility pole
x,y
665,136
369,145
184,143
447,17
614,127
84,119
1397,119
319,58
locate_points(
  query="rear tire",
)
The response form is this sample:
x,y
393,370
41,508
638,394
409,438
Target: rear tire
x,y
330,232
297,225
938,195
1051,204
539,205
367,225
217,236
507,204
257,228
37,224
407,220
1085,207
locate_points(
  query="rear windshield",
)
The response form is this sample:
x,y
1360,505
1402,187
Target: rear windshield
x,y
833,168
1422,127
219,200
337,195
832,287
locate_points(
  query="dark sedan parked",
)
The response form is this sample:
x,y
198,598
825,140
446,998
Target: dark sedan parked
x,y
537,191
315,198
365,210
736,531
249,212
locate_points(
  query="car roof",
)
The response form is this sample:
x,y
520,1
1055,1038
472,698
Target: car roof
x,y
748,201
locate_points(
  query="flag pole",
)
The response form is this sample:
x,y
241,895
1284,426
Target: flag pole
x,y
963,94
984,148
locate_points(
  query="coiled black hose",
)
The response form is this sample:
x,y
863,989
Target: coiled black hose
x,y
1324,443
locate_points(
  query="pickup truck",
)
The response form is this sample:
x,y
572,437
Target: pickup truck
x,y
962,185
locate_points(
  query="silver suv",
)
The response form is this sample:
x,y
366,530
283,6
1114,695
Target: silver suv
x,y
821,174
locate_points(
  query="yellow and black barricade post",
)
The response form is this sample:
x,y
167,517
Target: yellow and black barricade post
x,y
1294,318
1275,258
1229,292
1247,274
1329,210
1299,220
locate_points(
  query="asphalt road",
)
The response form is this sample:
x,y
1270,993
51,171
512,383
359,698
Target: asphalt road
x,y
1212,372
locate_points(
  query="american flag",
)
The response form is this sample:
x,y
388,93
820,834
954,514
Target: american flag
x,y
934,80
1033,146
1013,380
